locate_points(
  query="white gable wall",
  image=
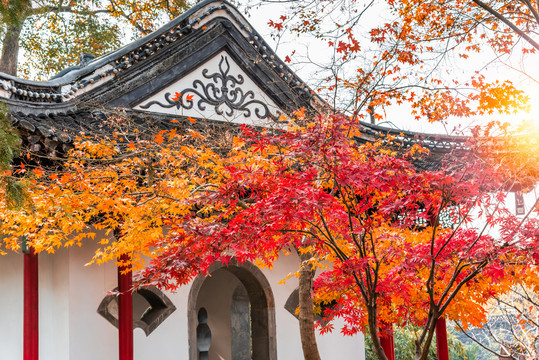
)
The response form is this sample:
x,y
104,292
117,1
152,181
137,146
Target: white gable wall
x,y
205,84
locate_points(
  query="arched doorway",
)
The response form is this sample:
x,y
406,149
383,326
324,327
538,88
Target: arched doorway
x,y
241,313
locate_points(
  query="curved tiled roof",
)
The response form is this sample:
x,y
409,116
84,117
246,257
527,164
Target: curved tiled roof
x,y
436,143
67,88
51,113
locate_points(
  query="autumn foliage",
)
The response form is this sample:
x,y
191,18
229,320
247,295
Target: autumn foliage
x,y
393,241
395,244
128,181
398,234
427,55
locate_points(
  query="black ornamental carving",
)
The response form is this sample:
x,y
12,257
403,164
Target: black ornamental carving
x,y
223,92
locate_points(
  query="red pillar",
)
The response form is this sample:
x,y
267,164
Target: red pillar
x,y
441,340
125,311
386,340
31,306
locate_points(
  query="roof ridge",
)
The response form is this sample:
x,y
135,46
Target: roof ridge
x,y
105,67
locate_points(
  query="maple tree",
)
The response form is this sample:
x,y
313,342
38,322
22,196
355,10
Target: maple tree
x,y
55,33
363,209
128,182
499,24
416,53
368,212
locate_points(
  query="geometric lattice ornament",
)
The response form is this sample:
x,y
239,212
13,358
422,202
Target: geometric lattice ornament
x,y
150,308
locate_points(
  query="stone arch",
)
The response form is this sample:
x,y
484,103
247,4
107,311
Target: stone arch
x,y
262,305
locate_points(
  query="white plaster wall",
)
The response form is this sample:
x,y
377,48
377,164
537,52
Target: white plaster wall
x,y
69,325
71,328
54,305
11,306
170,340
90,335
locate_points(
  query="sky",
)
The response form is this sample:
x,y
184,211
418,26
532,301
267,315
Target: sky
x,y
511,68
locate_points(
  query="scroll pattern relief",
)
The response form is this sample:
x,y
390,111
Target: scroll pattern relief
x,y
222,92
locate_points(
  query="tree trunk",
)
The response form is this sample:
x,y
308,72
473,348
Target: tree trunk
x,y
373,330
422,350
306,310
10,50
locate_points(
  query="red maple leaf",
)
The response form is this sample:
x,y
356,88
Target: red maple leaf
x,y
342,47
275,25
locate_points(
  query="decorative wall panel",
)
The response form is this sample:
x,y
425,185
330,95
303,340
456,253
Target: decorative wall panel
x,y
217,90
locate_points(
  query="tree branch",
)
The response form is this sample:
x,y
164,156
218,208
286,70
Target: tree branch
x,y
63,9
508,23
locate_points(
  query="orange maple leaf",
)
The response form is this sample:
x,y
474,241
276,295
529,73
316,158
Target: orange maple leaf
x,y
65,178
38,172
176,96
189,97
